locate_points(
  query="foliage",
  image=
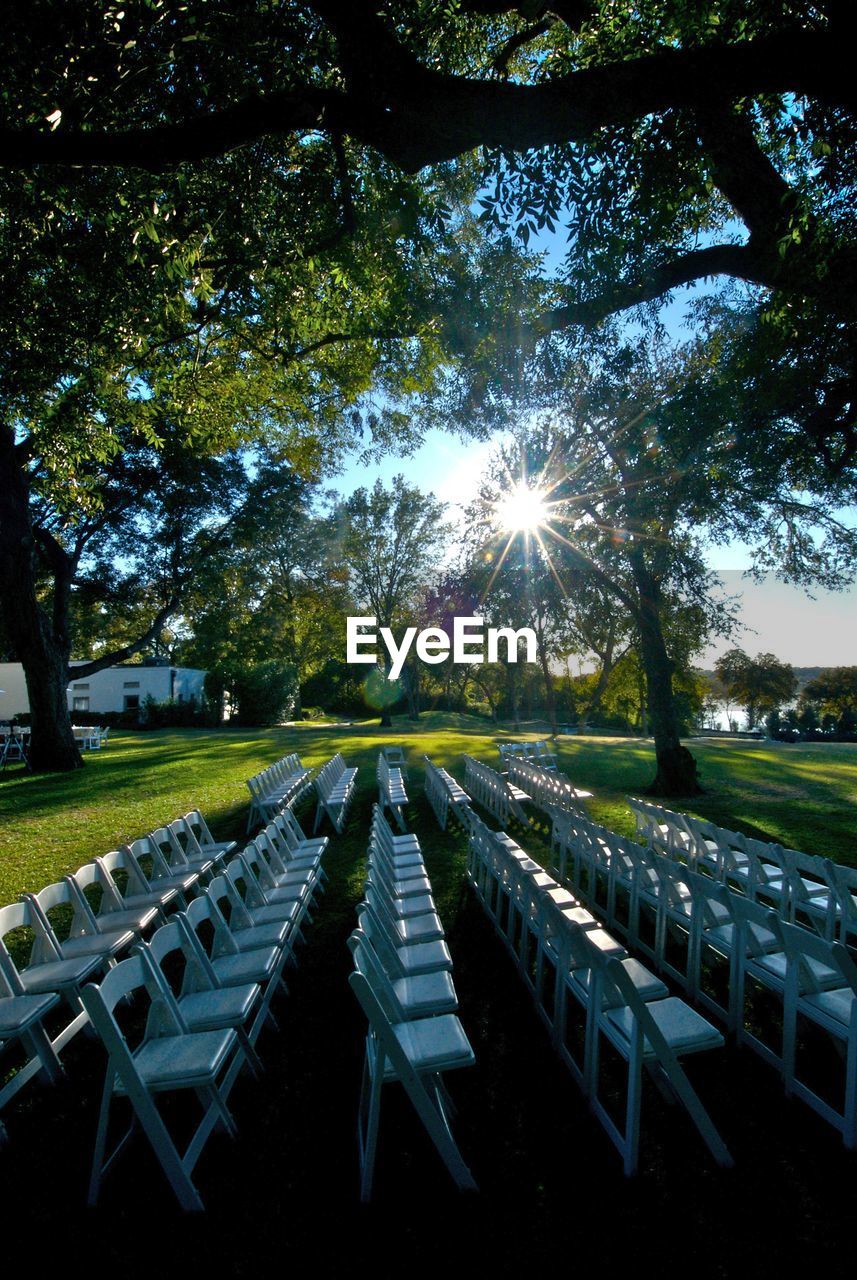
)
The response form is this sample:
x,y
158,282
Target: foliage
x,y
761,684
259,693
833,691
276,588
390,540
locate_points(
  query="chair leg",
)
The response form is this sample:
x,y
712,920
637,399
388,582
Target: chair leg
x,y
370,1107
849,1131
100,1141
632,1109
437,1127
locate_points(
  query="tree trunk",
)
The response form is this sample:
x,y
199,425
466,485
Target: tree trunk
x,y
412,692
590,711
42,644
676,773
644,707
386,713
550,698
513,694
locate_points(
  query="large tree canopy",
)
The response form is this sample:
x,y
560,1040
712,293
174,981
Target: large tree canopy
x,y
675,140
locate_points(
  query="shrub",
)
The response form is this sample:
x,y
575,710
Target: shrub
x,y
259,693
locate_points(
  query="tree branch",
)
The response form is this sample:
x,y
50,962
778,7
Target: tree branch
x,y
723,259
747,178
80,670
417,116
503,56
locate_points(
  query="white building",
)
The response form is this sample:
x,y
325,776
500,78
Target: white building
x,y
120,688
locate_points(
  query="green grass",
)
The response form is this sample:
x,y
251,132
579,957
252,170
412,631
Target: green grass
x,y
802,796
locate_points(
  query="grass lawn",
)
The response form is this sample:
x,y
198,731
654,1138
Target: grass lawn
x,y
802,796
552,1191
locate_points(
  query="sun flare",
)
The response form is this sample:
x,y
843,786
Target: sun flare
x,y
522,510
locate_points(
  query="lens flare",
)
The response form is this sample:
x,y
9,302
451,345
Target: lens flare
x,y
522,510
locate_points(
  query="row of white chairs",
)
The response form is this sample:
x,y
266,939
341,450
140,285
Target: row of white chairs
x,y
548,790
205,981
71,930
391,790
90,737
444,794
495,793
803,888
396,758
402,980
539,752
334,786
589,991
710,937
280,785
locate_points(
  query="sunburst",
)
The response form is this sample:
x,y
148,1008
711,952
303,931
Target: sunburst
x,y
523,509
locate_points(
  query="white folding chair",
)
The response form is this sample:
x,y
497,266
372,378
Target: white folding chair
x,y
74,930
653,1034
829,1006
407,959
45,971
419,997
230,961
21,1019
415,1053
106,903
167,1059
205,1003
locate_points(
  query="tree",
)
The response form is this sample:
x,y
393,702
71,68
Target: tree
x,y
391,541
275,589
100,525
762,684
833,691
642,128
204,293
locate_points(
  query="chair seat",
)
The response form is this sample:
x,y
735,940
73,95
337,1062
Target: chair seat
x,y
723,936
406,843
223,1007
181,881
411,887
776,965
834,1006
580,916
275,913
648,985
102,944
266,934
174,1062
424,957
416,905
426,928
251,966
19,1013
605,944
158,897
427,994
137,918
54,975
286,893
433,1044
684,1030
404,863
542,880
